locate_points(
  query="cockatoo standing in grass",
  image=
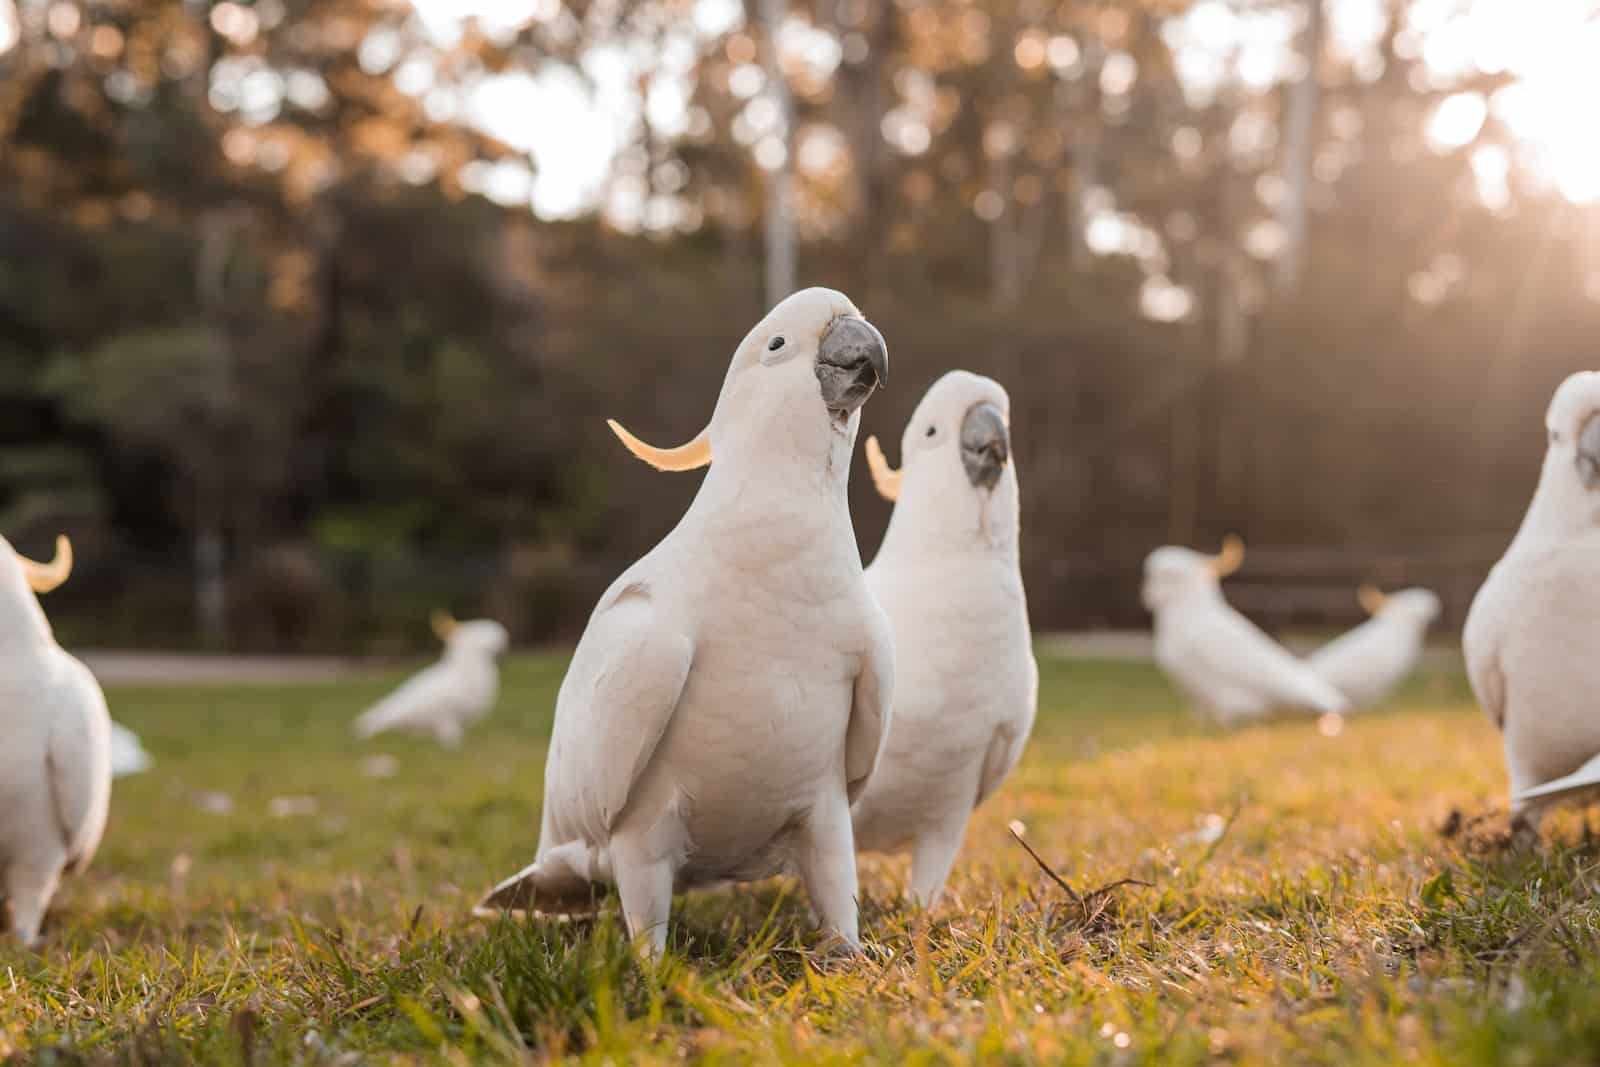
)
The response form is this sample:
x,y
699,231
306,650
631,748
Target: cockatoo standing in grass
x,y
948,577
1369,663
1217,657
1532,638
446,698
127,752
55,746
731,693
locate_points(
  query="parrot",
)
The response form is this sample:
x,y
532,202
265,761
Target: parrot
x,y
127,753
730,695
948,576
55,762
1214,655
1369,663
1533,630
452,694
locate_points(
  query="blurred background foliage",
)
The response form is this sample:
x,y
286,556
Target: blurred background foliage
x,y
311,310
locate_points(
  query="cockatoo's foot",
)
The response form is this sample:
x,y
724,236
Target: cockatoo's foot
x,y
835,948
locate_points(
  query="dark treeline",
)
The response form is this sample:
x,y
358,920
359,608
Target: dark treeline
x,y
291,381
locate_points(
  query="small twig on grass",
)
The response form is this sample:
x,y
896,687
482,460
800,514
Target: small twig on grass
x,y
1045,867
1082,900
1233,816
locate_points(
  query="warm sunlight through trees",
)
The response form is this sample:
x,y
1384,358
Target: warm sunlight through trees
x,y
322,301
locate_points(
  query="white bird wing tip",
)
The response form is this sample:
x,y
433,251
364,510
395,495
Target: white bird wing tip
x,y
1585,777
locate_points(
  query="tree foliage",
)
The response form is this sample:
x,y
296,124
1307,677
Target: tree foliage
x,y
270,321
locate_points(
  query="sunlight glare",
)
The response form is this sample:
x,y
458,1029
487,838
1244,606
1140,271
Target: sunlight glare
x,y
9,30
1548,50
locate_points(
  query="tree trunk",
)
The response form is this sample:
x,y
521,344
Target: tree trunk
x,y
1300,142
780,239
209,471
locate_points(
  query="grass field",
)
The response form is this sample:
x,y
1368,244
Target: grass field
x,y
268,894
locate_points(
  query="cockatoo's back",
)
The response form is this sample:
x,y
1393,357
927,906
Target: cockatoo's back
x,y
1226,659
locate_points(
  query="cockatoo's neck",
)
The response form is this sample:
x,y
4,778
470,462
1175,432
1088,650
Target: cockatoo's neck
x,y
781,452
22,620
1200,594
1561,508
936,520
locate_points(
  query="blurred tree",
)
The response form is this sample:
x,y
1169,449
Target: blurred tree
x,y
275,313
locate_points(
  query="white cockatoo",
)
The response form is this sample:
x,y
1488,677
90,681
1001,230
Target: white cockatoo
x,y
1532,638
55,759
948,576
1219,659
127,753
446,698
730,695
1369,663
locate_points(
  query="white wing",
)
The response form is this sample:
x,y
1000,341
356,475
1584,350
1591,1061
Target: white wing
x,y
1227,654
1368,662
127,752
1584,778
1005,749
616,702
432,696
1482,639
78,759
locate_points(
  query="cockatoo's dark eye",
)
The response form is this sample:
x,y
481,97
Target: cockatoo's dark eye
x,y
931,431
1555,437
774,344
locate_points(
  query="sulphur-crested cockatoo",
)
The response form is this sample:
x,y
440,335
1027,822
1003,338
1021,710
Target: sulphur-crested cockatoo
x,y
55,756
1219,659
730,695
1532,638
948,577
1369,663
446,698
127,752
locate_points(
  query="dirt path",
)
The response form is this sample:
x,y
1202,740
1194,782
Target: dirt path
x,y
185,668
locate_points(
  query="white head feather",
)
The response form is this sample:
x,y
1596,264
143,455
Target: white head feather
x,y
1173,575
770,410
958,483
1566,501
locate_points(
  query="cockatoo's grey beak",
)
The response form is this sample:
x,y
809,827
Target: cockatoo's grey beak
x,y
985,445
1589,453
852,361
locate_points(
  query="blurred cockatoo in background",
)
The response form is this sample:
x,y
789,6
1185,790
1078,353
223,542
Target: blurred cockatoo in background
x,y
1219,659
55,756
730,695
1369,663
949,578
446,698
1532,639
127,752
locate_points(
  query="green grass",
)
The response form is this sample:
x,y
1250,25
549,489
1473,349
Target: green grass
x,y
1332,923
